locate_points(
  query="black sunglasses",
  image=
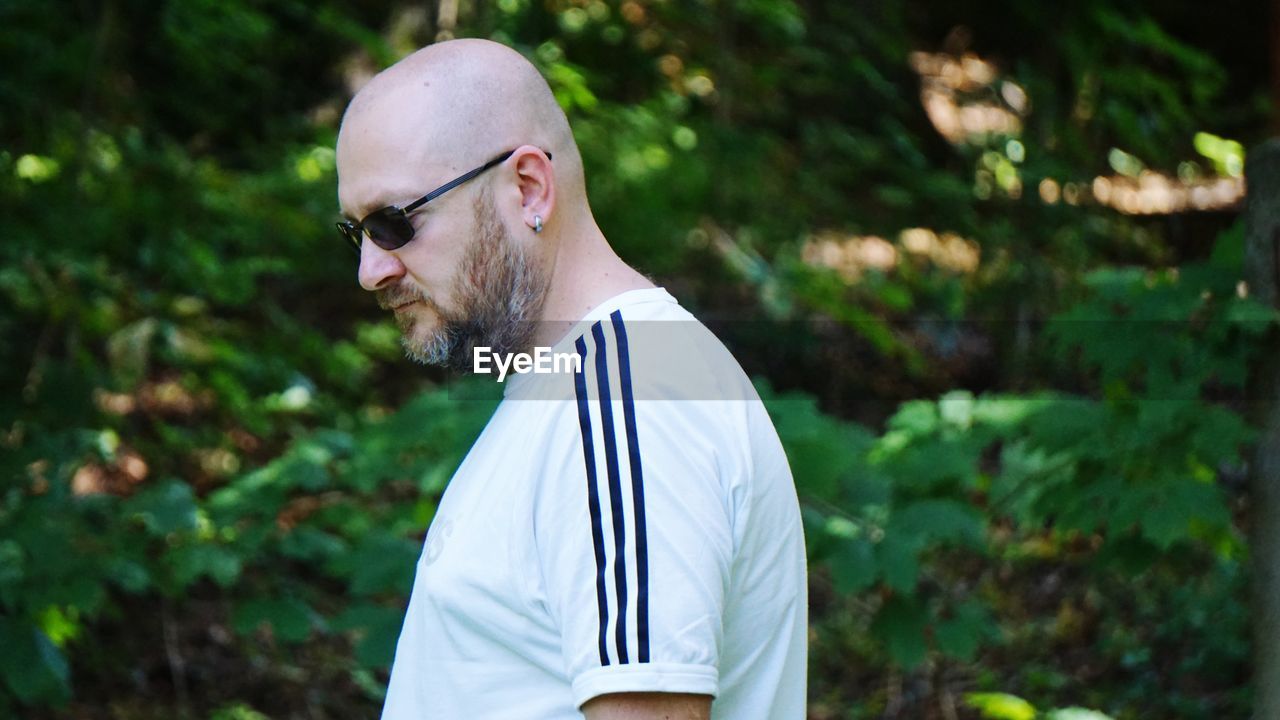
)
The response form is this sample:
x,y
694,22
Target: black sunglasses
x,y
389,227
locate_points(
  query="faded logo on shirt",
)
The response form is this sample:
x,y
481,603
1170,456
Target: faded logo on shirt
x,y
436,537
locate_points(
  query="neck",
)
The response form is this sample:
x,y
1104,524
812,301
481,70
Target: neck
x,y
585,272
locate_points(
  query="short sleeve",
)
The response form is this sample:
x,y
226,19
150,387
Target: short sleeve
x,y
633,531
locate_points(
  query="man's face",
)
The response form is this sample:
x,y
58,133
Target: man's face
x,y
491,298
463,280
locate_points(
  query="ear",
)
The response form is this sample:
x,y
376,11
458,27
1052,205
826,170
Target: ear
x,y
535,177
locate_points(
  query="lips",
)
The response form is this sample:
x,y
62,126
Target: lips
x,y
399,297
397,303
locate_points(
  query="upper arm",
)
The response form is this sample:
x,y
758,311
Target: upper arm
x,y
648,706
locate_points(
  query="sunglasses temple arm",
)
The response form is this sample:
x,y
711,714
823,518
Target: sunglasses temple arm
x,y
454,183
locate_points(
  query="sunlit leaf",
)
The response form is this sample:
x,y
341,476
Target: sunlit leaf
x,y
1000,706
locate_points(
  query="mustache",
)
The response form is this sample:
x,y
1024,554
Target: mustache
x,y
397,295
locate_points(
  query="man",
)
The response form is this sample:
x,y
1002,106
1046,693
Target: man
x,y
623,540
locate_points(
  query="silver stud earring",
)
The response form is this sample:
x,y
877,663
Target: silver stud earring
x,y
537,223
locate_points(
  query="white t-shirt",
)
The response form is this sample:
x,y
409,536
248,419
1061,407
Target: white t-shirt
x,y
629,527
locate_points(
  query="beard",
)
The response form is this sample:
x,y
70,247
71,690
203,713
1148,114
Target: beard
x,y
499,290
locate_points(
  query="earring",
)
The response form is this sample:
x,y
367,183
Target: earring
x,y
537,224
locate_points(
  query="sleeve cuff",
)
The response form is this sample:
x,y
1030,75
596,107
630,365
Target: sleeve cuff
x,y
646,677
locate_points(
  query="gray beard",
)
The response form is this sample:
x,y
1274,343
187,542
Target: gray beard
x,y
498,311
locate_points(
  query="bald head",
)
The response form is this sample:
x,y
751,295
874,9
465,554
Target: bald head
x,y
445,109
514,245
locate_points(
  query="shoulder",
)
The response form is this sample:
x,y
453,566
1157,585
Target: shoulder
x,y
669,354
651,377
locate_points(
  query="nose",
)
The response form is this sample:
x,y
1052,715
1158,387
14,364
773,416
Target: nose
x,y
378,268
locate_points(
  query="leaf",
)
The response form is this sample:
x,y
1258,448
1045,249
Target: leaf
x,y
957,639
1172,508
1075,425
1006,413
956,408
1000,706
129,350
940,520
309,543
32,667
289,618
304,467
960,635
164,509
238,711
60,625
377,629
130,576
1076,713
191,562
917,416
900,626
1218,434
1251,315
11,563
853,566
1228,250
897,560
1130,554
1025,473
821,450
380,563
927,465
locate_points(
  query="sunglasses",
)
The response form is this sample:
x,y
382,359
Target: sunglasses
x,y
389,227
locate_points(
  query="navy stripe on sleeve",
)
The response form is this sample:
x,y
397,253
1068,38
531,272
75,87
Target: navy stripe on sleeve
x,y
615,490
637,489
593,497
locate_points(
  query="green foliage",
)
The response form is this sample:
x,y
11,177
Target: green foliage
x,y
238,712
1136,469
201,408
289,619
1075,713
1002,706
33,668
354,535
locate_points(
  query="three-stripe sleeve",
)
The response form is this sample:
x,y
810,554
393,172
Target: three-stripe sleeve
x,y
622,554
633,535
593,498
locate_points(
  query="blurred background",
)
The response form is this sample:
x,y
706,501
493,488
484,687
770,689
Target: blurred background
x,y
983,257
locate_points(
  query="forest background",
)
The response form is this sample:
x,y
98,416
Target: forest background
x,y
983,258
